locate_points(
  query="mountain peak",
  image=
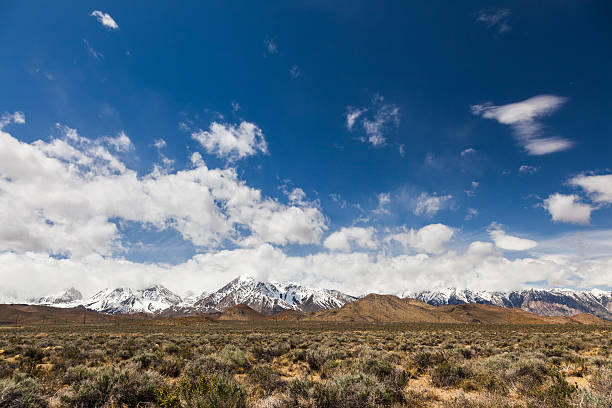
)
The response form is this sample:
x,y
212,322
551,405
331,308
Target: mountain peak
x,y
271,296
69,296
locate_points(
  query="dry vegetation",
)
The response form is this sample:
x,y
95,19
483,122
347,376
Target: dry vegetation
x,y
198,363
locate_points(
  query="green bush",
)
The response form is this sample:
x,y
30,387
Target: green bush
x,y
210,391
128,387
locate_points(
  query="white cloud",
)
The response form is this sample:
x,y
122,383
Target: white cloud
x,y
479,267
599,188
16,117
547,145
383,200
467,151
430,204
509,242
231,141
526,169
159,143
349,237
524,117
471,213
352,114
385,115
568,208
337,198
382,118
120,143
105,19
62,196
431,238
297,195
496,19
472,190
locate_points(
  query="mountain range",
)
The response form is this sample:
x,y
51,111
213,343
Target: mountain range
x,y
272,297
375,308
543,302
265,297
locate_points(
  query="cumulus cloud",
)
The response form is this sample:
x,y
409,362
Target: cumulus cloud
x,y
348,237
232,141
64,196
105,19
568,208
496,19
15,117
509,242
598,187
120,143
431,238
524,118
480,266
427,204
382,117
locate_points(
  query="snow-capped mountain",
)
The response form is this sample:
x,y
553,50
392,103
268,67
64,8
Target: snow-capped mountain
x,y
190,298
69,297
545,302
268,297
8,298
125,300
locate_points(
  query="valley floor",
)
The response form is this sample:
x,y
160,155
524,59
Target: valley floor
x,y
199,363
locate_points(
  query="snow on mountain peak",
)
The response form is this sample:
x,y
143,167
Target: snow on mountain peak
x,y
124,300
271,296
68,297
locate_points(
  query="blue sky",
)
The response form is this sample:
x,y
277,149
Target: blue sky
x,y
379,144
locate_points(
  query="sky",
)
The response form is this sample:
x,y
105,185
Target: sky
x,y
361,146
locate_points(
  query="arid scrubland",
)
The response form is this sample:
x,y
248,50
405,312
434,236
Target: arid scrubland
x,y
187,363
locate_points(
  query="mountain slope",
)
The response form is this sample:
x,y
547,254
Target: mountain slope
x,y
551,302
383,308
125,300
391,309
66,298
241,312
269,297
33,314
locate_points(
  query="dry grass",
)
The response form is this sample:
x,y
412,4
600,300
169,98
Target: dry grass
x,y
191,363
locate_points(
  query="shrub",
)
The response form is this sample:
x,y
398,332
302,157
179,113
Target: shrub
x,y
21,392
207,392
558,394
345,391
127,387
599,394
446,374
266,379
